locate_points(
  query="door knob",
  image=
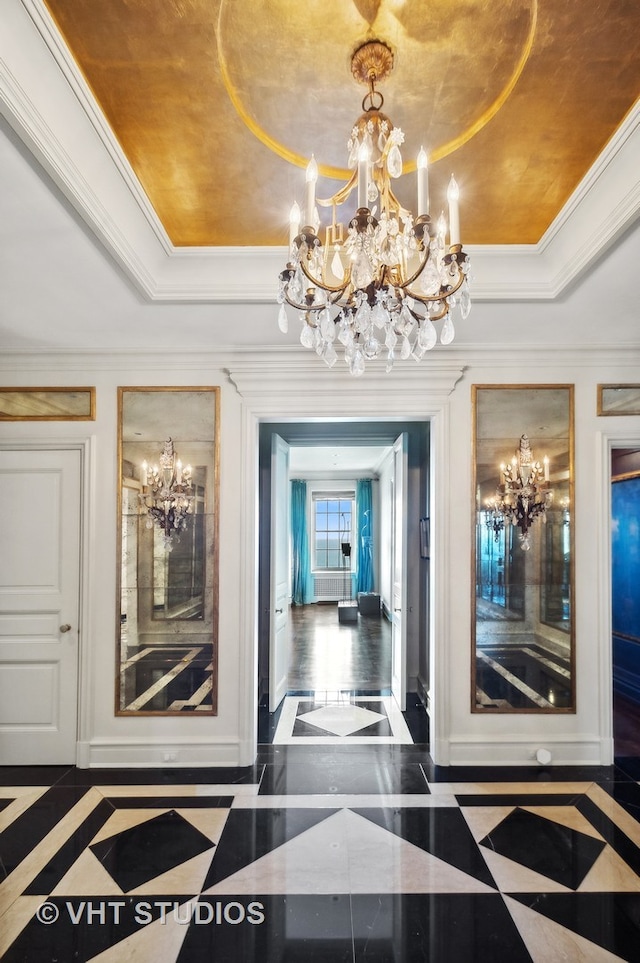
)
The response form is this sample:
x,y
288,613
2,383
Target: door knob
x,y
65,628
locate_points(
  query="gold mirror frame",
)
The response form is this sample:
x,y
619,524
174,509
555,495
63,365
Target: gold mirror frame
x,y
47,404
522,602
618,400
167,574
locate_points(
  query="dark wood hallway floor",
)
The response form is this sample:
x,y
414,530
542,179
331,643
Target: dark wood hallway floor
x,y
327,654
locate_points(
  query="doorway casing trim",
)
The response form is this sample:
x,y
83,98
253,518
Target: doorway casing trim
x,y
267,396
626,435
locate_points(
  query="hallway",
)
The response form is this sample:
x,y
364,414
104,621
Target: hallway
x,y
327,654
337,854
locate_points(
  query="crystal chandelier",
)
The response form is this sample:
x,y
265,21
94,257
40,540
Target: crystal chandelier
x,y
167,493
379,290
524,492
494,519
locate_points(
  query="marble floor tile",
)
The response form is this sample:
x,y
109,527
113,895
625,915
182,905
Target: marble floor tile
x,y
347,720
335,855
343,778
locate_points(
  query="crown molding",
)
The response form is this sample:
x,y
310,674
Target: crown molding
x,y
46,100
275,363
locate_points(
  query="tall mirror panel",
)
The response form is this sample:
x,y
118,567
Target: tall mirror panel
x,y
522,568
168,559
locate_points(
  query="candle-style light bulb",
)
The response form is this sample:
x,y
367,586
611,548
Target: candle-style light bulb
x,y
453,195
144,472
423,182
311,178
363,175
294,222
545,462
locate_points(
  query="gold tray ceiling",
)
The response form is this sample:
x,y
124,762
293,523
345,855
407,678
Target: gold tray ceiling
x,y
218,104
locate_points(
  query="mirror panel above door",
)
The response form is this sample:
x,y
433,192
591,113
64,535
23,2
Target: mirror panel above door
x,y
523,645
168,559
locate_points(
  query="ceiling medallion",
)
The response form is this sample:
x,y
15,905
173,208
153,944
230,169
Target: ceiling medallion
x,y
379,290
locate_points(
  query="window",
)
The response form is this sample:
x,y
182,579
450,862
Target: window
x,y
332,516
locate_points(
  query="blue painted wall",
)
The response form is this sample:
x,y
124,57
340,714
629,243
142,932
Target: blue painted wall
x,y
625,546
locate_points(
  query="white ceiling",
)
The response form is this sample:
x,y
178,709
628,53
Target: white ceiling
x,y
335,459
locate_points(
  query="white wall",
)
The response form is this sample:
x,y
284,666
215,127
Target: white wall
x,y
460,735
105,739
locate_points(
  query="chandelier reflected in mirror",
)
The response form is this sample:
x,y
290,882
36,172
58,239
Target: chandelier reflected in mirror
x,y
377,290
524,492
167,493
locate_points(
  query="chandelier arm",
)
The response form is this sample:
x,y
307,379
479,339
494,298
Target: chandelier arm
x,y
431,317
314,307
428,298
340,196
339,289
402,211
405,284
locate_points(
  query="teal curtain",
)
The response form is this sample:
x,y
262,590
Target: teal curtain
x,y
301,580
364,523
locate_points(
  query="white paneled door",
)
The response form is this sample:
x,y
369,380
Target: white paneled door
x,y
280,569
39,606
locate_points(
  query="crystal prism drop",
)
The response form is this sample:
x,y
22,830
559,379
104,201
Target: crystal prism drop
x,y
427,335
390,359
307,337
344,333
330,356
349,350
429,280
394,162
357,365
371,348
336,267
391,339
379,315
407,319
448,332
327,327
283,320
465,300
363,316
362,272
405,348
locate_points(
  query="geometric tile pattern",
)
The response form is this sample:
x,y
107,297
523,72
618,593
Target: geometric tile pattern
x,y
153,847
473,870
545,846
371,720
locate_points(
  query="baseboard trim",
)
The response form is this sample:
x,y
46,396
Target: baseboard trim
x,y
423,693
151,755
523,752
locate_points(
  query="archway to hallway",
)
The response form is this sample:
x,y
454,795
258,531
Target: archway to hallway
x,y
331,661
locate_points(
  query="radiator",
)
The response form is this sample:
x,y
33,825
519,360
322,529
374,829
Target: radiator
x,y
331,588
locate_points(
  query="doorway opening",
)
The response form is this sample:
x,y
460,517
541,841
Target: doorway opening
x,y
343,644
625,607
